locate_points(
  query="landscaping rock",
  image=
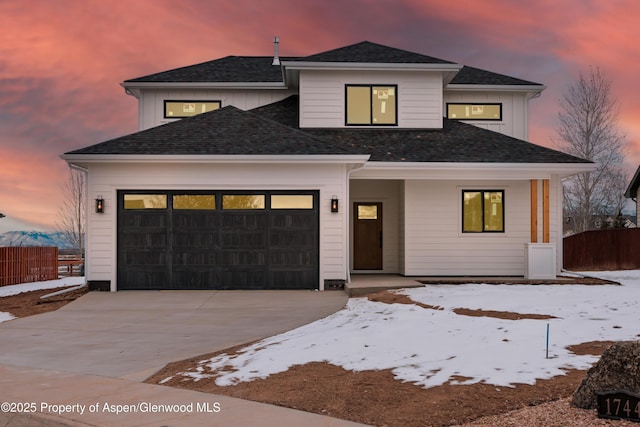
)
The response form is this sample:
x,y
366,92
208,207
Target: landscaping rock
x,y
617,369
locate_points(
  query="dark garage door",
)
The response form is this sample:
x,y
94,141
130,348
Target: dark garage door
x,y
217,240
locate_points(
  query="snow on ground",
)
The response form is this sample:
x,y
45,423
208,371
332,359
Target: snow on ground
x,y
428,347
6,291
5,316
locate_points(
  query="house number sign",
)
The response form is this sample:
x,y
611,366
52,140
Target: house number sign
x,y
618,405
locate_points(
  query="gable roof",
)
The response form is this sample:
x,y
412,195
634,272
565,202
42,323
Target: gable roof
x,y
456,142
632,189
227,131
368,52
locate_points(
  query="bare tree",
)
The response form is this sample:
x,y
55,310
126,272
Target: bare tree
x,y
588,129
71,215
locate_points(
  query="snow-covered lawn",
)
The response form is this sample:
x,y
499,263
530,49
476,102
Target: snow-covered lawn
x,y
429,347
6,291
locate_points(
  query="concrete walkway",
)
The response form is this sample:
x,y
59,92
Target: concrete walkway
x,y
100,347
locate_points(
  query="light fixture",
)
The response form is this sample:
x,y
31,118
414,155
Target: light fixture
x,y
334,203
99,205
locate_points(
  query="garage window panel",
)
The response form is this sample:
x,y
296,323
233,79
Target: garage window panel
x,y
145,201
243,201
292,201
194,201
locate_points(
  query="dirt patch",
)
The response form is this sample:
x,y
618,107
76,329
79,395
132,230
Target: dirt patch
x,y
506,315
391,297
29,303
376,398
595,348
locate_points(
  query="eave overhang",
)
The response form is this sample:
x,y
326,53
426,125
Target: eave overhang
x,y
496,88
362,66
202,85
444,170
81,159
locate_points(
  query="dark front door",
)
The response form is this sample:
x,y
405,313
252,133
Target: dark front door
x,y
367,238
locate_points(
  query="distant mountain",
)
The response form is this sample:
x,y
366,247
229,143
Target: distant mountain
x,y
34,238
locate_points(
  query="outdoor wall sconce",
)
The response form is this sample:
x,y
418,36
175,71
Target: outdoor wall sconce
x,y
99,205
334,203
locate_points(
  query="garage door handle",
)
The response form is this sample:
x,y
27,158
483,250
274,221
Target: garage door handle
x,y
381,240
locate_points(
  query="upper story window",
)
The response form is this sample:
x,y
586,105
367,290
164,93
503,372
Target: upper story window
x,y
371,105
180,109
474,111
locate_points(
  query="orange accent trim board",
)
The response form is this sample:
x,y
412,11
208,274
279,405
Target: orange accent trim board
x,y
545,211
534,211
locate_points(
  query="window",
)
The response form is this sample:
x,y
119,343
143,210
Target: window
x,y
293,201
368,105
243,201
179,109
194,201
367,211
482,211
145,201
474,111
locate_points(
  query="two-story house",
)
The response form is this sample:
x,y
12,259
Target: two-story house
x,y
290,173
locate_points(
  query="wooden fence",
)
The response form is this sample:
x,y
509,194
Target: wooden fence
x,y
28,264
614,249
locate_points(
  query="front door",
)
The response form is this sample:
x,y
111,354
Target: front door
x,y
367,236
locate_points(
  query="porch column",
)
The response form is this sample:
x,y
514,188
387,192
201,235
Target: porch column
x,y
545,211
540,258
534,211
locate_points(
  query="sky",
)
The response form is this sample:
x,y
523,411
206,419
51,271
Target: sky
x,y
62,62
429,347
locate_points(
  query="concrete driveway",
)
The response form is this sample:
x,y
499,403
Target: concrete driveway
x,y
132,334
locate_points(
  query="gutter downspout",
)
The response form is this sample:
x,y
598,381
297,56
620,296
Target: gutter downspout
x,y
348,222
85,171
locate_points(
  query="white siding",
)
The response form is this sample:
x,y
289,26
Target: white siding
x,y
151,102
107,179
388,193
322,96
435,244
514,110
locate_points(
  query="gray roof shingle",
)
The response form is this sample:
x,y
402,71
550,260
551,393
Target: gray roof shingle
x,y
233,69
227,131
273,130
456,142
475,76
368,52
258,69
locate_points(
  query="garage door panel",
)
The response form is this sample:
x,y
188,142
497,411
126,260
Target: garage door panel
x,y
243,277
232,220
291,279
143,249
196,276
146,278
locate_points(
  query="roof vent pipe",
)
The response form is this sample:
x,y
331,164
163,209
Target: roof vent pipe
x,y
276,59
